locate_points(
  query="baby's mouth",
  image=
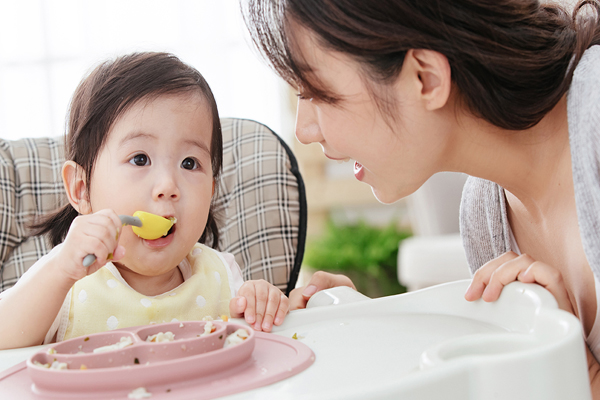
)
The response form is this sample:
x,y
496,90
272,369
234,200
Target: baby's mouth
x,y
172,230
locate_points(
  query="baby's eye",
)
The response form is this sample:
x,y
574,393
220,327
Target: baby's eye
x,y
189,163
140,160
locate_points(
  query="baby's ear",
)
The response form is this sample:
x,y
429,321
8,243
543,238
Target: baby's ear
x,y
76,187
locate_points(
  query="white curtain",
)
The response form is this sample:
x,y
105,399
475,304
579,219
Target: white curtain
x,y
47,46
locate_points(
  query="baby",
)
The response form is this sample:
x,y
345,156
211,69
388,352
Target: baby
x,y
143,134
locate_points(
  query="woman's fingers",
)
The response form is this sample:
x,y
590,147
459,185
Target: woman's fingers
x,y
550,278
483,275
505,274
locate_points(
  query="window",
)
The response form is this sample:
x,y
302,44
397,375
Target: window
x,y
46,47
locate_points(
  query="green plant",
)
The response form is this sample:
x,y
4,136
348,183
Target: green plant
x,y
367,254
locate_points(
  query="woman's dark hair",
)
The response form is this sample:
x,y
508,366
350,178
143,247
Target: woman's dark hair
x,y
106,94
511,60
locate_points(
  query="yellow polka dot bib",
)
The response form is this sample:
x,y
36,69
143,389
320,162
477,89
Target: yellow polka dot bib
x,y
101,301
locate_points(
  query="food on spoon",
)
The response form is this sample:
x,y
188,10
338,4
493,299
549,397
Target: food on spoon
x,y
236,337
153,226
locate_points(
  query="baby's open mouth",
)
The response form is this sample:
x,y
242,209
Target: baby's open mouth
x,y
172,230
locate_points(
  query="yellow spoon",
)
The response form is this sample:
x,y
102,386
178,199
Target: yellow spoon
x,y
145,225
153,226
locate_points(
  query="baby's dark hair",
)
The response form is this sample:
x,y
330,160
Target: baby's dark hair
x,y
106,94
511,60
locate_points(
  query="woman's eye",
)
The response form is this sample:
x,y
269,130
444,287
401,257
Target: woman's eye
x,y
189,163
140,160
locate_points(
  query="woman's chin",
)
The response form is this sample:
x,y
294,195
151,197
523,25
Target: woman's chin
x,y
385,197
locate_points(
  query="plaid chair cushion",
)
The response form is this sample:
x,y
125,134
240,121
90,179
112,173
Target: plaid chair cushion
x,y
260,203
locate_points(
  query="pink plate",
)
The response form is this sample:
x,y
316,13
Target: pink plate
x,y
190,367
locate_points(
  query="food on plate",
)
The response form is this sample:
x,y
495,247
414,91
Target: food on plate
x,y
124,342
236,337
209,328
161,337
55,365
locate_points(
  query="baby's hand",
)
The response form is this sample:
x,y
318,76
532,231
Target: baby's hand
x,y
261,304
491,278
90,234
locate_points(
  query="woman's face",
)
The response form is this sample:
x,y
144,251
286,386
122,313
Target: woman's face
x,y
396,154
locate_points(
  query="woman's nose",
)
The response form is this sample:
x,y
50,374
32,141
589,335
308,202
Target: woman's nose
x,y
307,125
165,186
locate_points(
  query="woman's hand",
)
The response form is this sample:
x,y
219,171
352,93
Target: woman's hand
x,y
319,281
489,280
95,234
261,304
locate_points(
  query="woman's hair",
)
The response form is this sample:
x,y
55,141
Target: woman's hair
x,y
106,94
511,60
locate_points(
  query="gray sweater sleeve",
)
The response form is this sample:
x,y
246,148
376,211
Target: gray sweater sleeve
x,y
483,217
583,107
483,222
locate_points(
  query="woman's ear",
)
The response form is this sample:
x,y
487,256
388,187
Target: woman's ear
x,y
75,185
433,73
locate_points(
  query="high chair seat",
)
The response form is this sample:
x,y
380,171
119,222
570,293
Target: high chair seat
x,y
261,203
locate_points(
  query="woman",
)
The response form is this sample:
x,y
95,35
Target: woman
x,y
506,91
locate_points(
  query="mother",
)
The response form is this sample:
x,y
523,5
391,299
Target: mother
x,y
507,91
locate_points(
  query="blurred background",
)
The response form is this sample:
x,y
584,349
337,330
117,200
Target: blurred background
x,y
46,47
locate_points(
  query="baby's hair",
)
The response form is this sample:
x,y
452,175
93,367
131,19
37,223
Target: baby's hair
x,y
511,60
106,94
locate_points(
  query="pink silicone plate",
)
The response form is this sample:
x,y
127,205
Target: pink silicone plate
x,y
190,365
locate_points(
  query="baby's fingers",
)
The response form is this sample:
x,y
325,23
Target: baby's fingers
x,y
277,308
237,307
483,275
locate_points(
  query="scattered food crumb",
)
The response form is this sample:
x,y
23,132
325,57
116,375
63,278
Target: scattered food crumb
x,y
139,393
161,337
124,342
181,325
86,339
294,336
51,350
225,318
82,367
136,360
207,318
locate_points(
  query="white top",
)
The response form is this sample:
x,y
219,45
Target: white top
x,y
233,271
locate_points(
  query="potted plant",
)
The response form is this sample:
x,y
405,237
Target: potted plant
x,y
366,254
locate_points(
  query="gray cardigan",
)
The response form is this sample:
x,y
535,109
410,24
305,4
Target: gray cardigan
x,y
483,218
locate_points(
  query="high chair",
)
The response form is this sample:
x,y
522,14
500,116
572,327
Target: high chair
x,y
260,200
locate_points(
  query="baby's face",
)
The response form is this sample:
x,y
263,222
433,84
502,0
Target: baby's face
x,y
157,159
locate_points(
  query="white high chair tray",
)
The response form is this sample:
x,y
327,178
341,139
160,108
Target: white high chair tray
x,y
433,344
429,344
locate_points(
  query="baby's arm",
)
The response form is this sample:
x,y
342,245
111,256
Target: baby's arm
x,y
28,309
261,304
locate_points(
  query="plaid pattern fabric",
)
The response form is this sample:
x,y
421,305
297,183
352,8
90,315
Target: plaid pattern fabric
x,y
260,203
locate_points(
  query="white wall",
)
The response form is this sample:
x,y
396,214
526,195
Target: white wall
x,y
46,46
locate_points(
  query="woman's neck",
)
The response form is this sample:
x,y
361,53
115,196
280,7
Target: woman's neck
x,y
530,164
151,285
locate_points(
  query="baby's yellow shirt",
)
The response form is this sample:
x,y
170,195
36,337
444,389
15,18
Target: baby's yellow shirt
x,y
102,302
